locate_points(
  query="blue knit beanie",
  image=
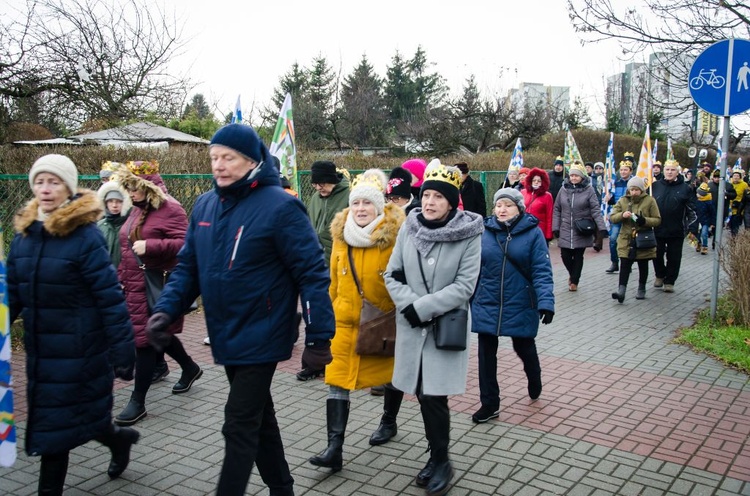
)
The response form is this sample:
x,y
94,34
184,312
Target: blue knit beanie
x,y
240,138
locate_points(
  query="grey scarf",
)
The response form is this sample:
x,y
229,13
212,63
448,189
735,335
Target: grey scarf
x,y
463,225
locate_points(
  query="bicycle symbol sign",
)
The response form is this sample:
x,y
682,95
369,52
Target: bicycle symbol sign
x,y
719,79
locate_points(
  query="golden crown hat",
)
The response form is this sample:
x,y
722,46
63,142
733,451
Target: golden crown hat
x,y
111,166
560,157
629,155
658,162
371,180
143,167
626,163
673,163
436,171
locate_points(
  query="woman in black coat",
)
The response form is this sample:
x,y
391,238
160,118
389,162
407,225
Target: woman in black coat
x,y
77,332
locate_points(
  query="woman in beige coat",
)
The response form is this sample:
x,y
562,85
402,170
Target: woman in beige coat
x,y
636,211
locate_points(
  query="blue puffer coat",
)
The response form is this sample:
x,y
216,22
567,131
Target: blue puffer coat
x,y
76,326
505,302
251,252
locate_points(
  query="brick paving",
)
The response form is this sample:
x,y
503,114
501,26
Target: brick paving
x,y
624,411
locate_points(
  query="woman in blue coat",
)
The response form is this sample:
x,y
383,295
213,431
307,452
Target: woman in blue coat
x,y
77,332
514,292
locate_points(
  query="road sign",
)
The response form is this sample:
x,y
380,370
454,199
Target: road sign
x,y
719,79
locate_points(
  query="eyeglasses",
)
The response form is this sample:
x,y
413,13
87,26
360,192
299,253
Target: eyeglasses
x,y
394,199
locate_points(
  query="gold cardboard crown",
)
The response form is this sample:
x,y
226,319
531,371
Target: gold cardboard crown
x,y
630,154
626,163
373,181
673,163
560,157
110,166
143,167
440,172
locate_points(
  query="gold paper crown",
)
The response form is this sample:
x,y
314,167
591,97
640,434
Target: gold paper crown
x,y
369,180
658,162
673,163
560,158
629,155
110,166
626,163
143,167
439,172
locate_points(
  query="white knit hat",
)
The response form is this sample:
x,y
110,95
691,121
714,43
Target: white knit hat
x,y
59,165
370,185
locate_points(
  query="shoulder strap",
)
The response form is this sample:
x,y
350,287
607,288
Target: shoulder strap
x,y
354,271
421,271
514,263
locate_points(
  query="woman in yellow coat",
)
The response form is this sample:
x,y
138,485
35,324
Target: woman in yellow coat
x,y
367,230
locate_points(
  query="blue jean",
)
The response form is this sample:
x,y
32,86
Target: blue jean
x,y
704,234
614,231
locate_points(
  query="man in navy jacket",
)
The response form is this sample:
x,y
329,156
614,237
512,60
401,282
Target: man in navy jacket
x,y
252,254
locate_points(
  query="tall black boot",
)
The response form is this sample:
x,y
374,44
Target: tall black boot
x,y
52,474
391,405
436,417
337,415
525,348
134,411
619,295
119,440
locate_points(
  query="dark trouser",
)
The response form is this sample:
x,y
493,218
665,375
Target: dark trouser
x,y
672,248
146,359
747,216
573,260
251,433
525,348
735,222
437,425
614,231
626,266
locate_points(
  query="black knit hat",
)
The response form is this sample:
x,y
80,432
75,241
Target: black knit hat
x,y
399,183
242,139
324,172
445,180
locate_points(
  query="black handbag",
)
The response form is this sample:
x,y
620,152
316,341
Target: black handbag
x,y
645,239
155,281
450,329
377,329
585,226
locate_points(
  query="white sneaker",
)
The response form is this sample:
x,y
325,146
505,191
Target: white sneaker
x,y
207,341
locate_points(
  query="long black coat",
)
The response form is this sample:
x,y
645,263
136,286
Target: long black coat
x,y
472,194
76,326
676,201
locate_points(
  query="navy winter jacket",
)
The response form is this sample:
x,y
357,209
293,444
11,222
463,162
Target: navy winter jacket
x,y
251,252
76,326
506,302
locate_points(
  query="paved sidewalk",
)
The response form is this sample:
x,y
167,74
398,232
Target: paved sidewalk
x,y
623,411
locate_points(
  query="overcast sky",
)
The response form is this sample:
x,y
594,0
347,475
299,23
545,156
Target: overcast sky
x,y
243,48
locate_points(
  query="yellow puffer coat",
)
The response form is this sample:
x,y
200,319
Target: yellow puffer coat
x,y
348,370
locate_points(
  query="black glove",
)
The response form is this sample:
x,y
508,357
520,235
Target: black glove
x,y
317,355
411,316
604,233
598,245
555,234
399,276
546,316
641,220
157,330
125,372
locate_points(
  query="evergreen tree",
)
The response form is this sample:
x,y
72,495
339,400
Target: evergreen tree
x,y
363,112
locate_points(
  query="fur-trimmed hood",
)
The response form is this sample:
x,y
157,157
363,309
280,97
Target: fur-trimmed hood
x,y
384,234
83,208
105,188
530,177
151,184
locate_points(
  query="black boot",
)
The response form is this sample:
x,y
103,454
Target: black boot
x,y
615,267
619,295
134,411
391,405
424,475
337,415
52,474
436,417
641,293
119,441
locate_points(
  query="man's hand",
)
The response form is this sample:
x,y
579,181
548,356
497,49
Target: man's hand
x,y
157,330
317,354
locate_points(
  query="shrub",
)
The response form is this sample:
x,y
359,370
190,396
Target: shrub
x,y
735,260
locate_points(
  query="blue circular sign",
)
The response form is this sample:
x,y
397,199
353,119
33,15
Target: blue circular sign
x,y
719,79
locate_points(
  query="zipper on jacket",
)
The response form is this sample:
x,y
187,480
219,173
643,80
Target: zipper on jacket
x,y
237,238
502,284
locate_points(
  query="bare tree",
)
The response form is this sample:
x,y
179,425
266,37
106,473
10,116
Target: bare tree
x,y
93,59
676,32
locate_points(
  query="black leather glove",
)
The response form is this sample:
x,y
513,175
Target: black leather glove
x,y
411,316
157,330
555,234
598,245
641,220
125,372
317,355
546,316
604,233
399,275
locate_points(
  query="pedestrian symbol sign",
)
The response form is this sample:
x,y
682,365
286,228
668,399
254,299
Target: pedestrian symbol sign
x,y
719,79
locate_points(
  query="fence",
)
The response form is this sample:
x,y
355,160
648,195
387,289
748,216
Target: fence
x,y
15,191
